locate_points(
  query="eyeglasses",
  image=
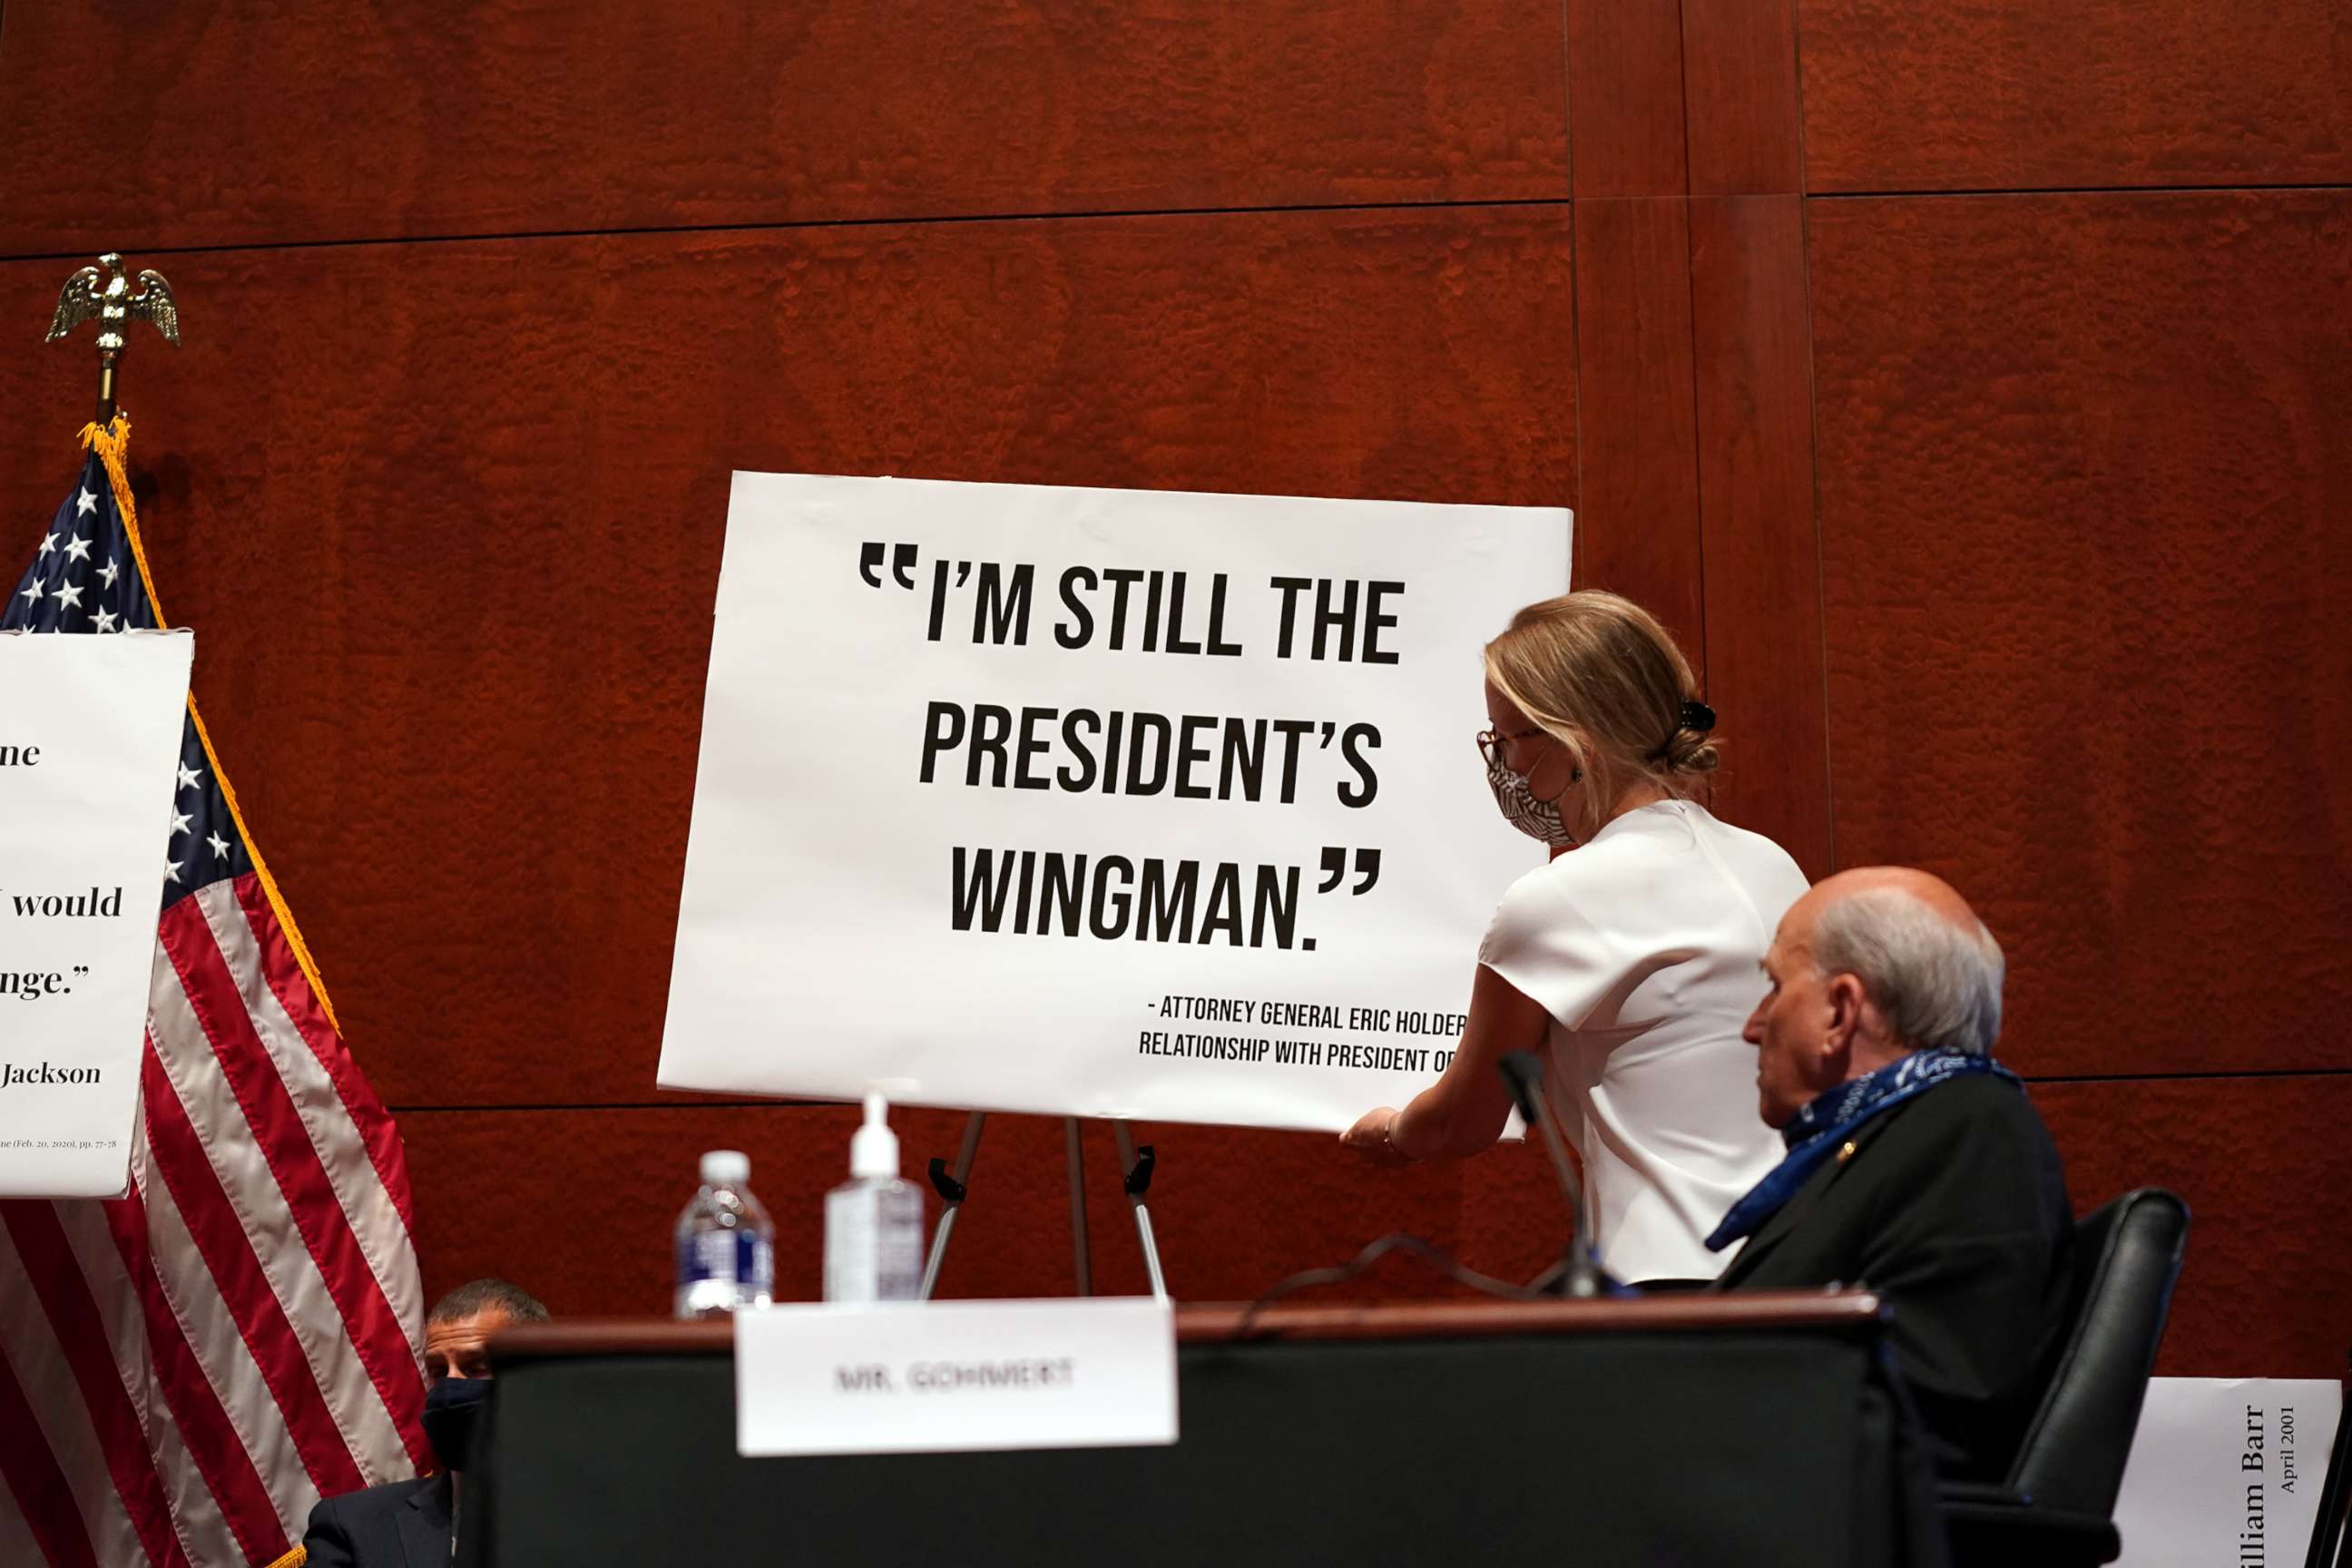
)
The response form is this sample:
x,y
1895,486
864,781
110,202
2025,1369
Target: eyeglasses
x,y
1491,743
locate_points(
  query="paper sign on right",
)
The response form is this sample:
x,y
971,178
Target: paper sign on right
x,y
2226,1470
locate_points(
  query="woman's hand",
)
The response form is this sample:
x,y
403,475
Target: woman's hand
x,y
1374,1137
1465,1110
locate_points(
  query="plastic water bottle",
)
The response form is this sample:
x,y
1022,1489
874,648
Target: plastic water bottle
x,y
726,1244
873,1221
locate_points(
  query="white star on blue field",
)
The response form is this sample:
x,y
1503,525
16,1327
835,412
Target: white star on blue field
x,y
84,579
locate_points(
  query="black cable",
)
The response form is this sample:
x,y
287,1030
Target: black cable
x,y
1396,1241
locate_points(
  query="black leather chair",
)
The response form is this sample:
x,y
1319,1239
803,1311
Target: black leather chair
x,y
2057,1506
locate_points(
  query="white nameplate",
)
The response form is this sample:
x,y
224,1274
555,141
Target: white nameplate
x,y
2226,1471
90,760
946,1376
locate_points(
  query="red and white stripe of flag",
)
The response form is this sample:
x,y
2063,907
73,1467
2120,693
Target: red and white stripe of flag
x,y
184,1370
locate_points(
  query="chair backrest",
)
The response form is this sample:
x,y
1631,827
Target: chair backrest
x,y
2127,1257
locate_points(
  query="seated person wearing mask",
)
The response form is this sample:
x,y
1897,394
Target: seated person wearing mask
x,y
407,1524
1917,1166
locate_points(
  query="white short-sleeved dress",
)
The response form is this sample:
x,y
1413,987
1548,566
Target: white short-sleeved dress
x,y
1645,946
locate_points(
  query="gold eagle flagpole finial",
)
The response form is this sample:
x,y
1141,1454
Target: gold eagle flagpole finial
x,y
105,296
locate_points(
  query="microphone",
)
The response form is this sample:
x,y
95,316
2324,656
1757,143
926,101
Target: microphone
x,y
1523,1075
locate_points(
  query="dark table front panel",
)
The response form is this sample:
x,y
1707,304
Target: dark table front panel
x,y
1748,1446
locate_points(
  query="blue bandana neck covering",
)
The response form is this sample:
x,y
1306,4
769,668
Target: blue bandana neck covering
x,y
1817,1132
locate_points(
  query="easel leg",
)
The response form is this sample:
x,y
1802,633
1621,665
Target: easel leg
x,y
1135,1174
1136,1177
1079,1254
952,1190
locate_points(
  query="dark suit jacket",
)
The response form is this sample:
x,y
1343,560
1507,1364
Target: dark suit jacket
x,y
401,1524
1953,1207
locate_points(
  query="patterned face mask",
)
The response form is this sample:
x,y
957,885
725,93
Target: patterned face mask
x,y
1524,809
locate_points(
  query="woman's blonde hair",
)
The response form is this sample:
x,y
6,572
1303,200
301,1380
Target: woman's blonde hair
x,y
1597,673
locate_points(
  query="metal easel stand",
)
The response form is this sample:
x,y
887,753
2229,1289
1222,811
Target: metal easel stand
x,y
1136,1165
1136,1180
951,1191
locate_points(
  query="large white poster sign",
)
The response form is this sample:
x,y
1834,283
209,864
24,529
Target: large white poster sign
x,y
89,749
2226,1470
1113,803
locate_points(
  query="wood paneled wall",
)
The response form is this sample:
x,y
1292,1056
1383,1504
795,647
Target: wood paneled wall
x,y
2087,538
1963,386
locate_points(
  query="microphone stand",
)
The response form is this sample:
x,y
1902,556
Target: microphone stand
x,y
1581,1276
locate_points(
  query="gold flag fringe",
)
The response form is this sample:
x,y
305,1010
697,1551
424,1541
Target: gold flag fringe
x,y
110,441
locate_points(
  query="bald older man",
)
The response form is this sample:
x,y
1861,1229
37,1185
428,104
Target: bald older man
x,y
1916,1166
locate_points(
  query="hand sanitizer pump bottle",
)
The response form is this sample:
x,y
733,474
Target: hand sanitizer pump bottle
x,y
873,1221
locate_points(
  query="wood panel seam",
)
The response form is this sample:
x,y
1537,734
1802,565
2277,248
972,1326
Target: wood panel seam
x,y
1698,421
1814,449
1804,167
1932,193
656,230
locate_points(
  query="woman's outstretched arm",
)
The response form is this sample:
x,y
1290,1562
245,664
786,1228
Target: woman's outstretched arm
x,y
1465,1110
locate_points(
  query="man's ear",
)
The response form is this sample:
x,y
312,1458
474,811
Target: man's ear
x,y
1847,1000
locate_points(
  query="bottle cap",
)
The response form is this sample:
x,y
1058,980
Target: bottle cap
x,y
874,1148
726,1167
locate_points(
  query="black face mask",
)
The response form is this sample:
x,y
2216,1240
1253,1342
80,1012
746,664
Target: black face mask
x,y
453,1409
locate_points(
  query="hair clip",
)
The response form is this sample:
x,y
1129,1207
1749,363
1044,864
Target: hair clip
x,y
1698,716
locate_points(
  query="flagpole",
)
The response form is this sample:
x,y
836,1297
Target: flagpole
x,y
103,294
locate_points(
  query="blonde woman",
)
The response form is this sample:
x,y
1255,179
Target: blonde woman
x,y
1630,962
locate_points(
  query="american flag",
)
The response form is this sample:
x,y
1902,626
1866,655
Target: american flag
x,y
185,1370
